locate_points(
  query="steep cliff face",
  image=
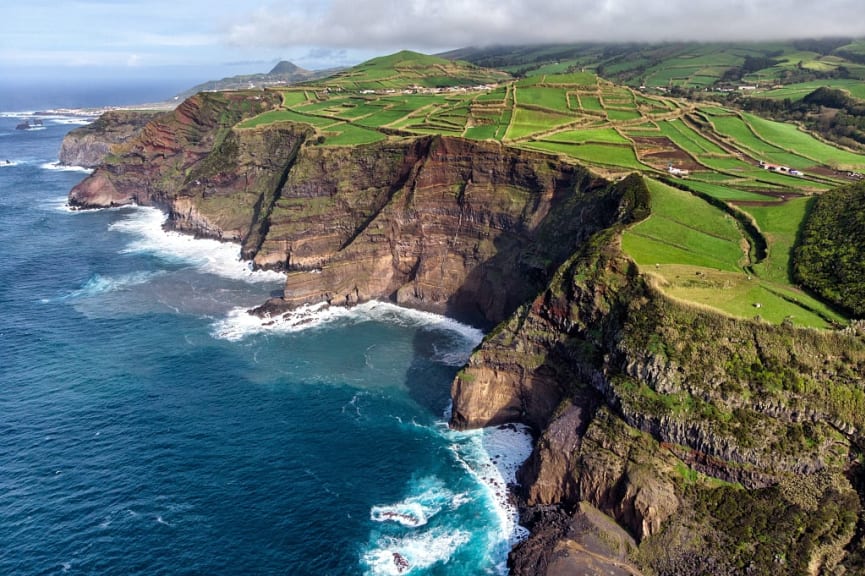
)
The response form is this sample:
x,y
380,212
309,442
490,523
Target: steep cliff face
x,y
671,439
436,223
90,145
648,407
152,167
444,224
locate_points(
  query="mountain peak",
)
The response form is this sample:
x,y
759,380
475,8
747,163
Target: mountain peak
x,y
285,67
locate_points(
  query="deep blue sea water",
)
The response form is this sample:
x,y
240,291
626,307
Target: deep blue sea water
x,y
149,426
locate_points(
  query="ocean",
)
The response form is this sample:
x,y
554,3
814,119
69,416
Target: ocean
x,y
148,425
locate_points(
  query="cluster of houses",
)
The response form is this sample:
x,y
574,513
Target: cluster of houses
x,y
780,168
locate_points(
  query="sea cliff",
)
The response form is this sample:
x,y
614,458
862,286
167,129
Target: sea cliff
x,y
671,439
89,146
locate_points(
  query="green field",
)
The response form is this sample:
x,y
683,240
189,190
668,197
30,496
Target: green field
x,y
284,116
855,88
590,102
695,252
552,99
790,137
684,230
779,224
600,135
688,139
601,154
527,122
725,193
350,135
621,115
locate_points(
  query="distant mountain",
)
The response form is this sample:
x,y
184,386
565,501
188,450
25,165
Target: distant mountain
x,y
286,67
408,69
284,73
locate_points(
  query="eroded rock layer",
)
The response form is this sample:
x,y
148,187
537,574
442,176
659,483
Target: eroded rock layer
x,y
671,439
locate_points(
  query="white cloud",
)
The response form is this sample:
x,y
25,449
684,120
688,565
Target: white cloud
x,y
440,24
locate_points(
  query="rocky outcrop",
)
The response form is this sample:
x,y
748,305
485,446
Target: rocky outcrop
x,y
646,406
210,176
669,434
443,224
89,146
468,228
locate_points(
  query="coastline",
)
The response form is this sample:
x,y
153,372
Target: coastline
x,y
491,455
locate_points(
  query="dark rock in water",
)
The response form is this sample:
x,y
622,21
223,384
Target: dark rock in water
x,y
400,562
642,405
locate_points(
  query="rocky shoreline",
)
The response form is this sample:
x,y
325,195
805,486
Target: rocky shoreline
x,y
667,436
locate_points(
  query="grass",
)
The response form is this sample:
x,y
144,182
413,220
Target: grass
x,y
779,224
696,253
293,98
621,115
350,135
598,135
483,132
725,193
602,154
528,122
382,117
688,139
795,92
552,99
590,102
741,132
283,116
790,137
586,80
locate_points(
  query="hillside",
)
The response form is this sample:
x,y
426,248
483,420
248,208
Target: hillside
x,y
683,64
696,411
408,69
739,166
772,79
830,257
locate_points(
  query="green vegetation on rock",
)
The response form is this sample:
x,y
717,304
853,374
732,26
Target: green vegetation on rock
x,y
830,257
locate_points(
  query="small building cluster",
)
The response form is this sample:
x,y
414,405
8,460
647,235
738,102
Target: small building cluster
x,y
780,168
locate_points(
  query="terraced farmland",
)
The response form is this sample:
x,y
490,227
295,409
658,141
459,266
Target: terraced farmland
x,y
722,237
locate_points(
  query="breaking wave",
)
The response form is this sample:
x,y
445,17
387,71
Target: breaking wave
x,y
206,255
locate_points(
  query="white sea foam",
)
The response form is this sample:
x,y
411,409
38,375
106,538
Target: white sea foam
x,y
60,204
419,550
64,168
492,456
56,117
208,256
9,163
240,324
429,497
98,284
72,120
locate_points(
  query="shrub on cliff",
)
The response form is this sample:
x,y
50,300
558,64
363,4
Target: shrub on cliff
x,y
830,256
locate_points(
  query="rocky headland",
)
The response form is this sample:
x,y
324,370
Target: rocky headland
x,y
88,146
670,439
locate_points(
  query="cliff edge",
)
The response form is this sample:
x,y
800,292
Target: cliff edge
x,y
671,439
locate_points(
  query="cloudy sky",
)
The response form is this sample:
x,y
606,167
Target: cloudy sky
x,y
209,38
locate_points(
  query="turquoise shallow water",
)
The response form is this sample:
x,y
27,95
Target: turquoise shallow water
x,y
147,426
